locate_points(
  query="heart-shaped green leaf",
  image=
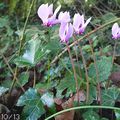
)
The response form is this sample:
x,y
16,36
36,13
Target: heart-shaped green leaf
x,y
33,108
104,67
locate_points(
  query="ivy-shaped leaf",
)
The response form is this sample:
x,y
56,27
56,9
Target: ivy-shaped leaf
x,y
46,86
117,114
67,83
33,108
3,90
34,111
104,67
110,95
54,46
23,78
3,22
92,93
35,52
47,99
91,115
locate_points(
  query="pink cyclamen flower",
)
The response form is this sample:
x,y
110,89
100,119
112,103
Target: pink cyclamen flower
x,y
115,31
65,32
46,14
64,17
79,23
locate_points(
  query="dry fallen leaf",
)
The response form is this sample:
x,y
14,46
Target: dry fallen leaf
x,y
67,115
81,96
115,77
68,104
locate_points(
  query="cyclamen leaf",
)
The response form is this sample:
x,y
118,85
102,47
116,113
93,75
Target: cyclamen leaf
x,y
67,83
110,95
104,67
23,78
33,108
86,48
90,115
54,45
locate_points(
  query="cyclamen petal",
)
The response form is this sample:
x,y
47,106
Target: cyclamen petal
x,y
82,20
65,32
79,23
52,20
64,17
46,14
69,31
43,15
50,9
115,31
87,22
57,10
76,20
62,32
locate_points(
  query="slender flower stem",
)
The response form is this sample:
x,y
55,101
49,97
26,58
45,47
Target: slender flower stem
x,y
82,107
86,75
113,57
74,71
49,78
86,72
21,39
34,81
65,66
14,79
82,38
97,74
114,52
26,21
76,54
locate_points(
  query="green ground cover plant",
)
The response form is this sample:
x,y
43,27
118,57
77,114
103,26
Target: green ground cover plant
x,y
59,60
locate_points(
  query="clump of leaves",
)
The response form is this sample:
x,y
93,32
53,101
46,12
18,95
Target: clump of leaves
x,y
104,66
34,104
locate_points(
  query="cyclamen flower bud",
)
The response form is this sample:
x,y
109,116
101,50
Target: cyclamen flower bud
x,y
79,23
115,31
46,14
